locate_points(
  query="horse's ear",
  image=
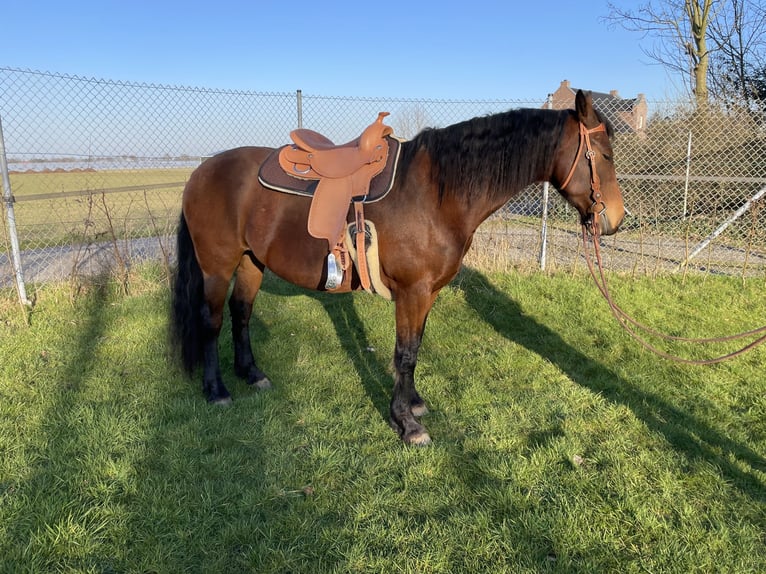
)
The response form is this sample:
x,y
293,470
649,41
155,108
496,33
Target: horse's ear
x,y
584,107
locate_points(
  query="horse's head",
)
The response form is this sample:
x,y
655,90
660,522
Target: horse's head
x,y
583,169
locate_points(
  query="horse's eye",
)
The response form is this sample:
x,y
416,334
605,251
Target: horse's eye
x,y
607,157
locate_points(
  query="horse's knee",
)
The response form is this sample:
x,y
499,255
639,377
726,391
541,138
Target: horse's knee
x,y
406,357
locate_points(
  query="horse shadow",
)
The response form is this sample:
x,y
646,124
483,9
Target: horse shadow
x,y
375,375
685,433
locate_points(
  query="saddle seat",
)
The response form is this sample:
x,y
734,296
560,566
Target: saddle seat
x,y
314,156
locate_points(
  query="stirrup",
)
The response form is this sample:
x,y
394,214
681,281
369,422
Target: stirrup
x,y
334,273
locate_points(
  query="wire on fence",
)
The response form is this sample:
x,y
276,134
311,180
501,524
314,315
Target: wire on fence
x,y
96,169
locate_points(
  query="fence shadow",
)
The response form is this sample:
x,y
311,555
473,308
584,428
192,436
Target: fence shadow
x,y
61,448
685,433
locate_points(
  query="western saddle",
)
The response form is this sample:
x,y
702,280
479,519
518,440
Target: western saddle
x,y
344,173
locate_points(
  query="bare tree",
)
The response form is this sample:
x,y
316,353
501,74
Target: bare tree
x,y
739,36
408,121
718,47
679,30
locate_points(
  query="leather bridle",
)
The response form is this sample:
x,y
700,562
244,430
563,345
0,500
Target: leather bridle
x,y
631,325
598,207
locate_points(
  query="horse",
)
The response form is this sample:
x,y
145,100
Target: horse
x,y
449,180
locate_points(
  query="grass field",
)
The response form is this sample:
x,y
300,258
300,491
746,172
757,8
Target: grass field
x,y
560,445
29,184
80,207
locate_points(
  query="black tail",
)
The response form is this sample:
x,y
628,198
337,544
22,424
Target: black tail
x,y
188,298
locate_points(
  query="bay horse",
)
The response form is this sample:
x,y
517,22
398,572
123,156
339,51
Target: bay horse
x,y
449,180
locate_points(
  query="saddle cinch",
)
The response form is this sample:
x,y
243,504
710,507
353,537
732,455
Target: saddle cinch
x,y
343,173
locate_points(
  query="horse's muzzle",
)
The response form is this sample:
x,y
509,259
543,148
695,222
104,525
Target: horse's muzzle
x,y
605,225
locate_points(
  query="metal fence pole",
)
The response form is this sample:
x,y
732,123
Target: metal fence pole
x,y
8,199
688,170
544,222
299,103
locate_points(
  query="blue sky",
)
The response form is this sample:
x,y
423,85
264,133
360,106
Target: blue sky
x,y
475,49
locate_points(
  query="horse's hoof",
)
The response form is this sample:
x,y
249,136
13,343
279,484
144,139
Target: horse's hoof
x,y
419,439
222,402
262,384
419,410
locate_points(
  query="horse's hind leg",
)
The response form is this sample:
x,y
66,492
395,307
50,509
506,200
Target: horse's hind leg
x,y
246,286
215,287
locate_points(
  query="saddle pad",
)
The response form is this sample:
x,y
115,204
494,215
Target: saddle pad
x,y
272,175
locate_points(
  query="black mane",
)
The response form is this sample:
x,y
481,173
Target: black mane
x,y
497,154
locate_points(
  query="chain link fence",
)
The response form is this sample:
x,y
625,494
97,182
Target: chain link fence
x,y
96,169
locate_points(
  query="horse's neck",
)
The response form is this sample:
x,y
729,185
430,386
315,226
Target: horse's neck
x,y
480,210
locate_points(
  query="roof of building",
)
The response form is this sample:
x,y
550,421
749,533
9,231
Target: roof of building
x,y
610,105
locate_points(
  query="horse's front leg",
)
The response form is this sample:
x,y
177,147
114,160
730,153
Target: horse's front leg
x,y
411,313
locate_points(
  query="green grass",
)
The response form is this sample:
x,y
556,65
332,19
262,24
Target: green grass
x,y
560,445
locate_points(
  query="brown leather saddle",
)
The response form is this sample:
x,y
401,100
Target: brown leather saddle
x,y
273,176
336,176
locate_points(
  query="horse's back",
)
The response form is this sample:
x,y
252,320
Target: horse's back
x,y
221,185
225,172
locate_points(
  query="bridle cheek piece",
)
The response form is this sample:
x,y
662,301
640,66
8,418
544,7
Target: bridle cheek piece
x,y
598,207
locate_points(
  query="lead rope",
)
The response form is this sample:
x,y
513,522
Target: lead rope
x,y
626,320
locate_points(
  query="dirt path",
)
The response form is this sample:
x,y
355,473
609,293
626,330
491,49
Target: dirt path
x,y
505,248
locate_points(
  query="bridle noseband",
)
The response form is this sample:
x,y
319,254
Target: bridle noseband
x,y
598,207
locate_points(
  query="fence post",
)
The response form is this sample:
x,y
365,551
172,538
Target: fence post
x,y
544,222
688,170
8,199
299,103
